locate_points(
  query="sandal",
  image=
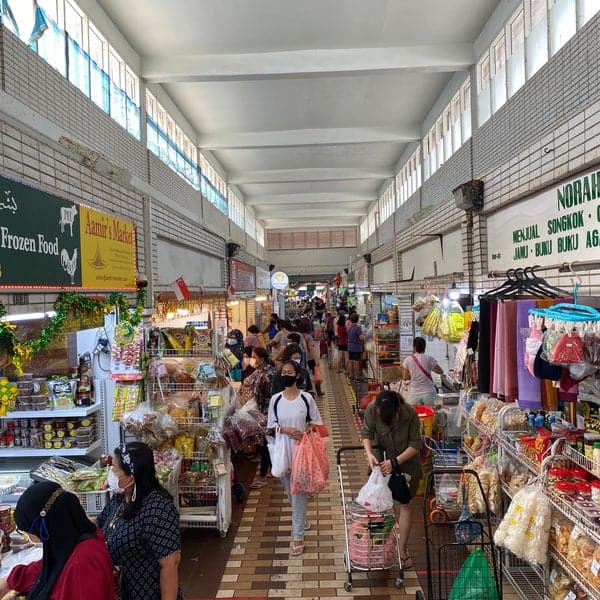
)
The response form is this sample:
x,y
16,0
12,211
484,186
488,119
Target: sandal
x,y
407,562
258,483
297,548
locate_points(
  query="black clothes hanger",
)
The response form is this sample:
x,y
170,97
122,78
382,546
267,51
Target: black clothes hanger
x,y
524,282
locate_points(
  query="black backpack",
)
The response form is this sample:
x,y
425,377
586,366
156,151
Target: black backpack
x,y
280,396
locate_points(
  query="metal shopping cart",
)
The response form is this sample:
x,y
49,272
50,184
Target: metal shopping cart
x,y
371,543
444,500
447,550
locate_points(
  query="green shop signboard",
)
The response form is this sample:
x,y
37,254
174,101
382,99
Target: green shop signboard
x,y
561,224
47,241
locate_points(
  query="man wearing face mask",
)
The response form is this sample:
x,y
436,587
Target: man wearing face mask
x,y
292,352
291,413
141,527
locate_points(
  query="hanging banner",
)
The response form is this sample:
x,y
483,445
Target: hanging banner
x,y
361,276
562,224
263,279
47,241
241,276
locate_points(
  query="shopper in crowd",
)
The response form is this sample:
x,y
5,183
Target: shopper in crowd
x,y
141,527
253,339
257,387
291,413
306,323
271,329
235,343
416,373
394,427
292,352
312,356
356,345
330,327
247,368
342,344
75,564
279,342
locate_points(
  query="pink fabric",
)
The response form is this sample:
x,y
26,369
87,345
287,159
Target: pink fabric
x,y
499,352
493,319
511,385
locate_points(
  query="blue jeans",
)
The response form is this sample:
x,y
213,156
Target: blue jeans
x,y
298,502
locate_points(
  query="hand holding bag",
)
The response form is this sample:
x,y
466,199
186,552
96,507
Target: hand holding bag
x,y
308,475
375,495
281,452
398,484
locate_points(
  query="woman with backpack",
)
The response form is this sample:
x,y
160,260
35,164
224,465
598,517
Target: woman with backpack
x,y
291,413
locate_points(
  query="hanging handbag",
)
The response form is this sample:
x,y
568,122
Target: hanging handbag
x,y
398,484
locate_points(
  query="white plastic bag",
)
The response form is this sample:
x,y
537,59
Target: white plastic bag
x,y
281,449
375,495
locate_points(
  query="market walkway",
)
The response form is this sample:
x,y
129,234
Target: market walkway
x,y
260,565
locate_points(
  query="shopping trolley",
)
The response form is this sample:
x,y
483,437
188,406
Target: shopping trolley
x,y
445,502
371,543
446,551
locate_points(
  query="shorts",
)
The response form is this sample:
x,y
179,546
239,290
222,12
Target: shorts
x,y
342,347
354,355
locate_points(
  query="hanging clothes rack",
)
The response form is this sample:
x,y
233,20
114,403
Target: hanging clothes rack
x,y
524,282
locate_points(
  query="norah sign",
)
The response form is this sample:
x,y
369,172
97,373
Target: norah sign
x,y
562,221
47,241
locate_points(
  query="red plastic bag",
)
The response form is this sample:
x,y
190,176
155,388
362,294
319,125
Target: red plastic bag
x,y
310,468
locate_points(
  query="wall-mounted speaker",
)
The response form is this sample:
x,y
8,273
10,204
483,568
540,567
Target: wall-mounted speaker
x,y
367,258
232,249
469,195
271,267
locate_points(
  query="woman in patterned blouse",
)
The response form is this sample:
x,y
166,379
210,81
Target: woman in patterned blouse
x,y
257,386
141,527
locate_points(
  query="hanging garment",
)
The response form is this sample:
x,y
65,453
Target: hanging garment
x,y
549,392
500,352
529,388
493,319
483,358
511,341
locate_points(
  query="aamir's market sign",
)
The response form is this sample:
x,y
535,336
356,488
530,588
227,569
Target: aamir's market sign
x,y
242,277
47,241
562,224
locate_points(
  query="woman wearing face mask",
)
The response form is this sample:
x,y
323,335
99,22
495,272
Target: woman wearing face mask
x,y
235,343
292,352
75,563
394,426
141,527
257,387
291,413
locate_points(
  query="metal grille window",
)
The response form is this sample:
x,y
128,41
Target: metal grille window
x,y
78,51
166,139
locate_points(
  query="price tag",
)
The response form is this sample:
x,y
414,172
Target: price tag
x,y
595,568
215,401
571,596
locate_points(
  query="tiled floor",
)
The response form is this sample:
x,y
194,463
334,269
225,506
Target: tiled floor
x,y
254,560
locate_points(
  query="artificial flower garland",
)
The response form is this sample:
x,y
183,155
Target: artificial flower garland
x,y
19,352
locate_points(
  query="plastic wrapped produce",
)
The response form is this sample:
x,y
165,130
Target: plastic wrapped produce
x,y
149,425
244,428
581,550
525,528
559,584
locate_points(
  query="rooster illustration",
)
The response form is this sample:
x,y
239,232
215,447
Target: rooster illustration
x,y
69,264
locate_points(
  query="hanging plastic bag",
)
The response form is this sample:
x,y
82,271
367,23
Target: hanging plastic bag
x,y
308,476
432,322
375,495
466,529
568,349
281,450
475,580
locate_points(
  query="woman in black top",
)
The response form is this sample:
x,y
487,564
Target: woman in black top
x,y
292,352
141,527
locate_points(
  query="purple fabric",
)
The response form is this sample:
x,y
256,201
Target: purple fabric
x,y
530,395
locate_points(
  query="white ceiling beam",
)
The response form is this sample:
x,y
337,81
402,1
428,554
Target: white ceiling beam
x,y
309,137
307,175
310,198
322,212
298,63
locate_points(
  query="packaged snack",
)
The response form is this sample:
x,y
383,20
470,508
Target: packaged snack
x,y
62,392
